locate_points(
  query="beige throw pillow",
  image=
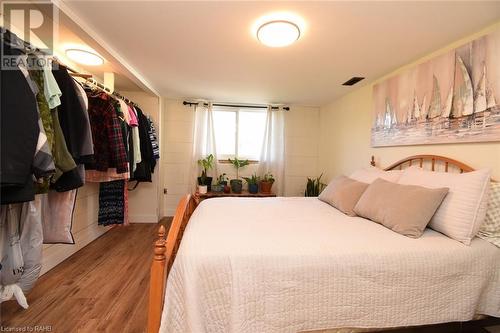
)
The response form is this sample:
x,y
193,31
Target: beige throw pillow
x,y
405,209
343,193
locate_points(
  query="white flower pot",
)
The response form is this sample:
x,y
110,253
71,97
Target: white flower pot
x,y
202,189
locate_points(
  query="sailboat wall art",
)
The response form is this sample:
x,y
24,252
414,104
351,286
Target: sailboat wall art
x,y
452,98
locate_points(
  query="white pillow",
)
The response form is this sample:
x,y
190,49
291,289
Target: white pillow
x,y
369,174
463,210
490,229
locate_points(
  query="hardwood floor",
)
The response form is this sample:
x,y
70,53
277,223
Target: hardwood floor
x,y
104,288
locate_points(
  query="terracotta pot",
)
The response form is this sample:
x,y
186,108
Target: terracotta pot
x,y
265,187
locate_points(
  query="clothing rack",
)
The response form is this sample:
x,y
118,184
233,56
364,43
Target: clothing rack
x,y
106,89
286,108
89,78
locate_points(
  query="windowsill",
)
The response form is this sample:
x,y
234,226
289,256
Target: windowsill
x,y
227,162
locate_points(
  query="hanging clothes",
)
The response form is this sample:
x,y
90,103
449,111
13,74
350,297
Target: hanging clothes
x,y
51,89
154,140
62,158
22,255
136,141
57,216
43,164
19,129
51,127
112,202
73,118
109,150
146,166
42,186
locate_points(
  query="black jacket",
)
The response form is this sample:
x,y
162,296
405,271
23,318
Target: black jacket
x,y
19,132
146,167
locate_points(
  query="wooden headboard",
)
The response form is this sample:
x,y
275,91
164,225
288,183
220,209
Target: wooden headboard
x,y
433,160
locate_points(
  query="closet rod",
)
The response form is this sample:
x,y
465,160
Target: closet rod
x,y
286,108
89,78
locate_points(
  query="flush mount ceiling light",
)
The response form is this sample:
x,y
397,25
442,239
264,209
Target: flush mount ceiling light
x,y
278,33
85,57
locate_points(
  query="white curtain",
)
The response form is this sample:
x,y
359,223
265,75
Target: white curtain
x,y
203,142
272,159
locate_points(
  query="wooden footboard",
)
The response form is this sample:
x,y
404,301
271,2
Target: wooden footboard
x,y
165,250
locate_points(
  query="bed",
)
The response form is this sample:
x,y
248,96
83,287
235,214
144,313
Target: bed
x,y
298,264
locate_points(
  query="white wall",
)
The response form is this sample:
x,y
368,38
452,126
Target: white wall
x,y
345,133
178,121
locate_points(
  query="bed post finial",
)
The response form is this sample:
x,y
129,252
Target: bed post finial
x,y
156,285
161,232
372,162
160,248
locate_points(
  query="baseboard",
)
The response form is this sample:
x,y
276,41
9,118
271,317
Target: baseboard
x,y
143,218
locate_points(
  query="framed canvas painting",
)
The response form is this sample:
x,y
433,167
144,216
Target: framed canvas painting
x,y
452,98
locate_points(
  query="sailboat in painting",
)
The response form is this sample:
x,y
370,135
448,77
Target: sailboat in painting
x,y
480,104
447,106
463,100
416,107
435,106
388,114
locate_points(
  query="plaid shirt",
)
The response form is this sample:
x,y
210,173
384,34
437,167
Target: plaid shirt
x,y
109,149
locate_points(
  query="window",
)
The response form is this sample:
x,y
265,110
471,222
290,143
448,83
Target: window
x,y
239,132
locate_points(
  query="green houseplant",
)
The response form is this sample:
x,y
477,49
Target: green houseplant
x,y
206,164
237,184
266,183
314,187
253,183
220,184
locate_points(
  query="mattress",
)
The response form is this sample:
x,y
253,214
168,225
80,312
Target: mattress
x,y
298,264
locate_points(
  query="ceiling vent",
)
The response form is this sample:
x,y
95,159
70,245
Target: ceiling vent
x,y
352,81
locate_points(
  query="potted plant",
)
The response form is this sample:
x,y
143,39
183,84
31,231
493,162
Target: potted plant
x,y
206,164
314,187
266,183
253,183
221,183
237,184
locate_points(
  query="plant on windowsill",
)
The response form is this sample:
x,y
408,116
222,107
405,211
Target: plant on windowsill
x,y
266,183
206,164
237,184
314,187
220,184
253,183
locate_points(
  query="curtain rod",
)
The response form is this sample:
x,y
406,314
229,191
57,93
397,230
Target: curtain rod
x,y
286,108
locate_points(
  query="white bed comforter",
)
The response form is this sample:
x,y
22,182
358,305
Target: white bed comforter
x,y
297,264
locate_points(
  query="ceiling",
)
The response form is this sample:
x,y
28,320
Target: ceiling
x,y
189,49
70,35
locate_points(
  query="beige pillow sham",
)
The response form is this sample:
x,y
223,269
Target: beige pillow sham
x,y
343,193
405,209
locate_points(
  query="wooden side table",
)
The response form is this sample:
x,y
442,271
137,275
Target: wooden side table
x,y
244,194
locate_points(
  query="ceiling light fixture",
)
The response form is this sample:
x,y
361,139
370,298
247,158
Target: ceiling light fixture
x,y
85,57
278,33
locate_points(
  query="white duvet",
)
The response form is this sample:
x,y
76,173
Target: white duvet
x,y
297,264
